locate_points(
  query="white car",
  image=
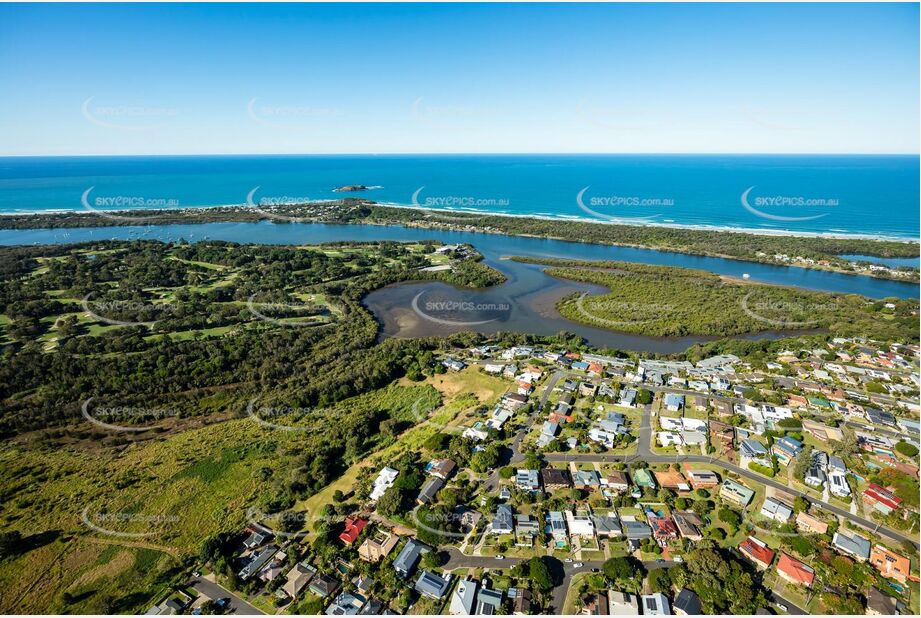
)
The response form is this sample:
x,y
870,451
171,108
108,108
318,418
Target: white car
x,y
568,560
578,565
500,557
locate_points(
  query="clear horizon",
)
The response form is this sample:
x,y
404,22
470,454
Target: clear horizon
x,y
482,79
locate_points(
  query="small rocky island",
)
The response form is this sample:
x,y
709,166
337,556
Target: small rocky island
x,y
350,188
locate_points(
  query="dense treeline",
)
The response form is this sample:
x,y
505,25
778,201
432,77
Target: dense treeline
x,y
738,245
700,242
54,360
337,211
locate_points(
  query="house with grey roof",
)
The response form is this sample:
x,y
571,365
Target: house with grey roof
x,y
405,562
431,585
852,544
503,522
429,490
489,602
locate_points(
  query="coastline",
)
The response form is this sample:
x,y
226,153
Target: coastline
x,y
469,212
678,226
803,250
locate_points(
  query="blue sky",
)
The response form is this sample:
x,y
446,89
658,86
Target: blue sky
x,y
349,78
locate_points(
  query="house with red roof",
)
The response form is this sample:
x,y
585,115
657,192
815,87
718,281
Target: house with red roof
x,y
353,527
663,529
757,551
794,571
890,564
881,499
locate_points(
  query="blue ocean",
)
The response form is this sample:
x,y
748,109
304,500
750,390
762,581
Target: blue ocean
x,y
805,194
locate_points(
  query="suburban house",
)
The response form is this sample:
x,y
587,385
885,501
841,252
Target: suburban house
x,y
353,527
607,526
689,525
430,490
595,605
794,571
674,402
323,585
757,551
852,544
405,562
431,585
752,451
622,604
346,604
672,479
463,599
554,479
617,481
383,482
375,549
837,483
636,530
527,480
703,479
881,499
488,602
526,530
687,603
586,479
890,564
442,468
655,605
879,604
663,528
258,560
736,493
809,524
776,510
643,479
556,527
580,524
786,449
503,522
297,578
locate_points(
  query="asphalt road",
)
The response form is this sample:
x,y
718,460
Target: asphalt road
x,y
215,591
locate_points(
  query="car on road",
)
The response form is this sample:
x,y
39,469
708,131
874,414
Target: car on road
x,y
782,607
568,560
578,565
500,557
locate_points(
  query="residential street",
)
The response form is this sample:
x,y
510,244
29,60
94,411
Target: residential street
x,y
215,591
644,453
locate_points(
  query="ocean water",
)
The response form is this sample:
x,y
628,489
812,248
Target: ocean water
x,y
843,195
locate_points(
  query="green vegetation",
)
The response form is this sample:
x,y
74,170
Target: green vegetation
x,y
721,243
667,301
906,448
741,246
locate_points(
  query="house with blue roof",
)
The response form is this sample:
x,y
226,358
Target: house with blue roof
x,y
786,449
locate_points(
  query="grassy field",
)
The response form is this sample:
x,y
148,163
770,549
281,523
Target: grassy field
x,y
111,524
